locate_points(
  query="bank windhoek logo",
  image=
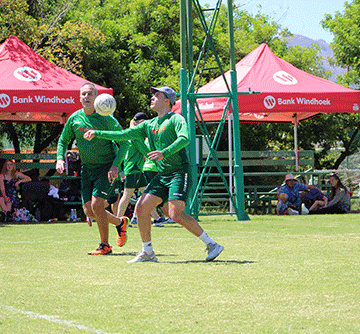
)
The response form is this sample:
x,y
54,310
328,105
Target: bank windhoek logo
x,y
269,102
25,73
4,100
284,78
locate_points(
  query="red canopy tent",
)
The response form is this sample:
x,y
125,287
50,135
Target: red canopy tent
x,y
34,90
288,95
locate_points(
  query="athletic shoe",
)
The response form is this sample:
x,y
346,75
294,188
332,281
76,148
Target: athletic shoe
x,y
144,257
89,221
102,250
169,221
133,220
121,229
159,222
304,209
214,251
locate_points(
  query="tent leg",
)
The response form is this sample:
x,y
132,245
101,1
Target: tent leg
x,y
296,148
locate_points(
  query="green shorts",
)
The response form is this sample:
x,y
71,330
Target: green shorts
x,y
170,187
149,175
95,182
117,185
135,181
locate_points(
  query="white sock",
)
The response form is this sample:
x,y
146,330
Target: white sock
x,y
206,239
147,247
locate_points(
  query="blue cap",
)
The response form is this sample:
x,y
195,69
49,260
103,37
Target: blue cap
x,y
169,92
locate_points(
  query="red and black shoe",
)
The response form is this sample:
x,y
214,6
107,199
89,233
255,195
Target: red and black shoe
x,y
121,229
101,250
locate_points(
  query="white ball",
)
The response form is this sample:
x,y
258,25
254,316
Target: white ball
x,y
105,104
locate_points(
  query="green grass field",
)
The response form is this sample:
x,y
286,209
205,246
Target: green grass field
x,y
288,274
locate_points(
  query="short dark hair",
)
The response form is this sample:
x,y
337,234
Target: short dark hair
x,y
140,116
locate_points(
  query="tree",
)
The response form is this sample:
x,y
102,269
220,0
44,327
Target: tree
x,y
41,25
345,26
141,48
329,132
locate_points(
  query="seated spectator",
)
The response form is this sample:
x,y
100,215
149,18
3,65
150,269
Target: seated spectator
x,y
340,202
292,189
315,199
284,207
10,180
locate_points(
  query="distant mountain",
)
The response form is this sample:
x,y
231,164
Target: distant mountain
x,y
325,52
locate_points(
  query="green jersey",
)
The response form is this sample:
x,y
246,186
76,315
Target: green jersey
x,y
98,152
134,159
149,165
168,134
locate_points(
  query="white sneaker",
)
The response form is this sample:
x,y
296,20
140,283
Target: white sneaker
x,y
169,221
144,257
304,209
214,251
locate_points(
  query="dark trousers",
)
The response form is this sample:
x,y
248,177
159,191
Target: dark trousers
x,y
327,210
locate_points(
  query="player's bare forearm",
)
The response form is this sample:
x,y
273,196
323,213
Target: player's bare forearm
x,y
90,134
155,156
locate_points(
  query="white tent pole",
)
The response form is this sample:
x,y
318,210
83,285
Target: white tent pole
x,y
296,143
231,185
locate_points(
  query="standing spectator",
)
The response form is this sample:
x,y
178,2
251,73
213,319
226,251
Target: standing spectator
x,y
100,160
168,137
341,199
10,180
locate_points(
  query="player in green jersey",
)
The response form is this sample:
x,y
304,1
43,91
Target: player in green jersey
x,y
133,169
100,160
149,171
168,137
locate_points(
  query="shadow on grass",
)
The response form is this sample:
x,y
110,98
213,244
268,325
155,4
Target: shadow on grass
x,y
122,254
218,262
135,253
162,226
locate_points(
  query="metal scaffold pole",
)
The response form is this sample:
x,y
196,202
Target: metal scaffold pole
x,y
189,96
238,168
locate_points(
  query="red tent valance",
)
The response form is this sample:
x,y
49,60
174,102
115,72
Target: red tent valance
x,y
34,90
285,90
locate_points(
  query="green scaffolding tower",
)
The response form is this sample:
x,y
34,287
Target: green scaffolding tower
x,y
189,99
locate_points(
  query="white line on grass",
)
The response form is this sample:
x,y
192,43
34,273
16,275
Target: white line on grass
x,y
52,319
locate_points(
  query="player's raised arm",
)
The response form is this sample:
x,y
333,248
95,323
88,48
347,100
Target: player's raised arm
x,y
137,132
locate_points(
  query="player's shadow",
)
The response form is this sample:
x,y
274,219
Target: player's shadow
x,y
135,253
122,254
217,262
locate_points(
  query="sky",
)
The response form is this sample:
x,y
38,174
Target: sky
x,y
301,17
